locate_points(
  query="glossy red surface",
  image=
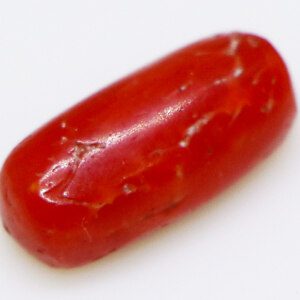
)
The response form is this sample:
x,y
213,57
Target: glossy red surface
x,y
146,149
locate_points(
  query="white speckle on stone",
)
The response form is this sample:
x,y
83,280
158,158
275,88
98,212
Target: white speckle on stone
x,y
82,150
268,106
183,87
193,129
63,140
66,194
217,82
183,143
63,124
233,46
78,152
220,81
129,188
257,77
238,72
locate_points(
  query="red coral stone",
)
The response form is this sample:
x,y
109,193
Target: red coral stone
x,y
146,149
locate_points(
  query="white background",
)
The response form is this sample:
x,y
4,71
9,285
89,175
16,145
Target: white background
x,y
243,245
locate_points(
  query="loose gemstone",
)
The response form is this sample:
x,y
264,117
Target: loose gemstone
x,y
147,149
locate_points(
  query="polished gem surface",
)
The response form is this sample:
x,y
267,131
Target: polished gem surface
x,y
146,149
